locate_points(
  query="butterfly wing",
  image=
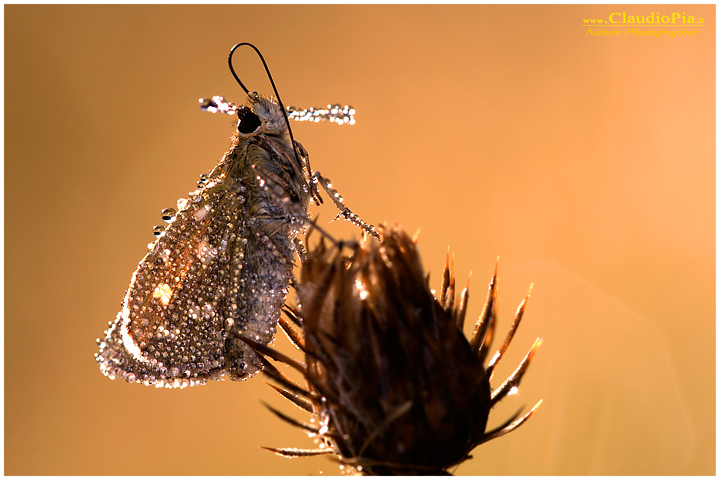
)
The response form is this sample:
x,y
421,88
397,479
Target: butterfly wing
x,y
183,296
221,269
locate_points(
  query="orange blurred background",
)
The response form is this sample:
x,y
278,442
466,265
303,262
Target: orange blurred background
x,y
586,163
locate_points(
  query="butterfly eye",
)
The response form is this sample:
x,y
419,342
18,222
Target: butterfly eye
x,y
248,121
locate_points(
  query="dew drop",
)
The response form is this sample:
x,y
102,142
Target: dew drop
x,y
168,214
208,104
158,229
203,180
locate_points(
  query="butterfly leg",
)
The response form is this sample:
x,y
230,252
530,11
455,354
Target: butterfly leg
x,y
345,212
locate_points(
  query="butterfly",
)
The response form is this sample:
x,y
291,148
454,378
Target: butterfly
x,y
222,267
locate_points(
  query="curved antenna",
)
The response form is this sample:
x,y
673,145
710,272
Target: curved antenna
x,y
232,70
313,189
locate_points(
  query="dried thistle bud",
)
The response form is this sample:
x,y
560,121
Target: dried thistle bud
x,y
395,383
